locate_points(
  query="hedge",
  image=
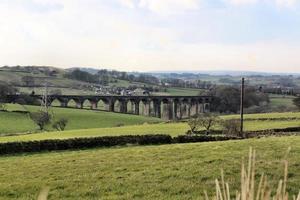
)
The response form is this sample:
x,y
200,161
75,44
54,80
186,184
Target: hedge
x,y
202,138
82,143
107,141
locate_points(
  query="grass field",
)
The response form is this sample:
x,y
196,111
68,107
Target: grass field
x,y
280,100
179,171
78,119
284,120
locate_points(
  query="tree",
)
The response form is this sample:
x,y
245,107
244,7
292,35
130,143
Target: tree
x,y
61,124
193,124
28,81
205,120
5,90
297,102
40,118
227,98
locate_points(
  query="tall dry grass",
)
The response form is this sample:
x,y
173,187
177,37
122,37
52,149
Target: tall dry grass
x,y
250,189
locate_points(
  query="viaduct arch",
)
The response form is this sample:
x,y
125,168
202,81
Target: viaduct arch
x,y
167,107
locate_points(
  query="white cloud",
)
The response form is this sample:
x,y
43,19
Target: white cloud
x,y
242,2
286,3
128,3
279,3
163,7
88,33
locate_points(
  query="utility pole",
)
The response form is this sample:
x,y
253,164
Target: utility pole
x,y
242,105
44,104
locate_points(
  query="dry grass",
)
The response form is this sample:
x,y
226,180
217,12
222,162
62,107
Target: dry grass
x,y
249,189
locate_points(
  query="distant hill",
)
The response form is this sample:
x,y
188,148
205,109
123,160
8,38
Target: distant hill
x,y
225,73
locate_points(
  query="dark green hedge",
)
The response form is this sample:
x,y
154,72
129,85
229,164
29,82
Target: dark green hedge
x,y
82,143
107,141
202,138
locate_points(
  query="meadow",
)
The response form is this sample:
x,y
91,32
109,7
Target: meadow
x,y
88,123
178,171
11,122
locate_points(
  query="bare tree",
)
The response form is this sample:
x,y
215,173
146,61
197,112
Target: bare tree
x,y
205,120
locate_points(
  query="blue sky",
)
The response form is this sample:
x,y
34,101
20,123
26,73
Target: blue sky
x,y
146,35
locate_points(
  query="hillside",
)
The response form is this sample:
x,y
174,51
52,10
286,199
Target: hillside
x,y
13,122
179,171
86,123
58,82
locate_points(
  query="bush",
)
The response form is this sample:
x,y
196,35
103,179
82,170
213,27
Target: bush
x,y
61,124
231,127
2,107
205,120
40,118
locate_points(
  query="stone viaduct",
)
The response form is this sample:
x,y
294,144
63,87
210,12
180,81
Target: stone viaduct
x,y
167,107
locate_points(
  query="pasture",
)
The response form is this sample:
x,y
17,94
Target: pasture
x,y
11,122
178,171
253,122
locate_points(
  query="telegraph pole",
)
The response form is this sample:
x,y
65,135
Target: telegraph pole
x,y
44,104
242,105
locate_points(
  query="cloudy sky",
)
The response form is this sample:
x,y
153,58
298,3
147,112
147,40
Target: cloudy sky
x,y
147,35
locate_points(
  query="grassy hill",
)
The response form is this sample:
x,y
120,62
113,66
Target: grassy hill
x,y
179,171
106,125
11,122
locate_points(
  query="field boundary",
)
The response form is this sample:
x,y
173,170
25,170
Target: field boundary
x,y
105,141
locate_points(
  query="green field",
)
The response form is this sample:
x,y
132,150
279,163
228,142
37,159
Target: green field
x,y
280,100
78,119
179,171
252,122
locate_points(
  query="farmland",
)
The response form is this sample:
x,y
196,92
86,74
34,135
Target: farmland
x,y
78,119
87,123
179,171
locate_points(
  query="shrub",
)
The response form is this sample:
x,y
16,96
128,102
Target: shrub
x,y
2,107
297,102
41,118
193,124
120,125
231,127
61,124
205,120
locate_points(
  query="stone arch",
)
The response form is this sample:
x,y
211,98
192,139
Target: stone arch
x,y
185,107
177,110
117,105
86,103
71,103
167,108
56,102
103,104
156,107
130,104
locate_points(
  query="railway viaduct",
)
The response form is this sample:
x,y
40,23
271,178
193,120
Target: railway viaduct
x,y
167,107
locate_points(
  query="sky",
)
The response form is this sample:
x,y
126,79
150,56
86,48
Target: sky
x,y
152,35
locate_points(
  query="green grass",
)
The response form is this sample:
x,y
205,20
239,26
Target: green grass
x,y
179,171
279,100
266,115
172,129
86,123
78,119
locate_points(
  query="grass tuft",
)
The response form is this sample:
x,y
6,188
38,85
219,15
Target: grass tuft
x,y
249,190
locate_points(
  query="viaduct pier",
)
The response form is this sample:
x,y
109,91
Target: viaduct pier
x,y
166,107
